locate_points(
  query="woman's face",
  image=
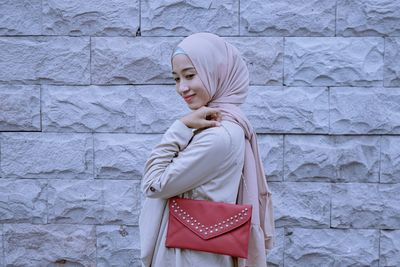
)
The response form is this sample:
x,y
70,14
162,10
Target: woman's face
x,y
188,83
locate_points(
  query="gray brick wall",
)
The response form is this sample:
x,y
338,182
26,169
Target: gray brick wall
x,y
86,92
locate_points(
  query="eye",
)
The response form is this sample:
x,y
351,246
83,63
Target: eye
x,y
189,76
176,79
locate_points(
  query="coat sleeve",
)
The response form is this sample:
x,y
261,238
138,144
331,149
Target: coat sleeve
x,y
174,167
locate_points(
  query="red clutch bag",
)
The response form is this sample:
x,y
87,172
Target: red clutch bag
x,y
209,226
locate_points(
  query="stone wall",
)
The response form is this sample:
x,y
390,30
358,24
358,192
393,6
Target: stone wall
x,y
86,92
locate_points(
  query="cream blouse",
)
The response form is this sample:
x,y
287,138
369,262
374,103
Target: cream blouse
x,y
202,164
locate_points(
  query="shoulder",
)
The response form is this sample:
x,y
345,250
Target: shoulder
x,y
220,138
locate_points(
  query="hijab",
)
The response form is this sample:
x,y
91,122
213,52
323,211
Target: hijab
x,y
226,79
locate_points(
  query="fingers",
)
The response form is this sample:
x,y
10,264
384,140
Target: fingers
x,y
212,114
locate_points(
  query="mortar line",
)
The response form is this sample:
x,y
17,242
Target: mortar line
x,y
383,59
90,60
283,60
336,8
329,110
239,19
380,158
283,157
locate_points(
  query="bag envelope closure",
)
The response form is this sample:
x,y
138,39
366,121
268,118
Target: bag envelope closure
x,y
209,221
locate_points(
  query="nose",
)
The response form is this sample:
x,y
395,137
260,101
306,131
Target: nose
x,y
183,87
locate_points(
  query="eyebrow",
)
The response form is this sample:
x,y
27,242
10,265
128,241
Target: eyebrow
x,y
185,69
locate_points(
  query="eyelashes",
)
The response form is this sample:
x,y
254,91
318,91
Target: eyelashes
x,y
187,77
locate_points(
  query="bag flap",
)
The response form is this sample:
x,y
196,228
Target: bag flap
x,y
209,219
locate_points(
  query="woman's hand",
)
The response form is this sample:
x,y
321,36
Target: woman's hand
x,y
203,117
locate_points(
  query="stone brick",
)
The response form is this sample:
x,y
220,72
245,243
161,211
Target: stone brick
x,y
122,202
49,245
181,18
19,108
118,246
287,18
264,58
38,155
301,204
75,201
368,18
275,256
392,58
91,17
21,17
45,60
288,109
390,160
357,110
333,61
389,248
94,202
88,108
331,247
366,206
122,156
157,107
1,246
23,201
271,152
124,60
332,158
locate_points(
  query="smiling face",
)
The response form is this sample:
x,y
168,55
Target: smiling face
x,y
188,83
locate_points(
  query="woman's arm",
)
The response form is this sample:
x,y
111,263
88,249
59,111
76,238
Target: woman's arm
x,y
174,167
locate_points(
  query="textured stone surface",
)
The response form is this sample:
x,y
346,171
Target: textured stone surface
x,y
271,152
275,256
20,17
368,18
49,245
38,155
75,201
122,202
392,58
19,108
23,201
94,202
301,204
118,246
333,61
390,248
287,18
122,156
264,58
88,108
1,246
157,108
288,109
331,158
123,60
331,247
181,18
390,159
45,60
366,206
107,18
364,110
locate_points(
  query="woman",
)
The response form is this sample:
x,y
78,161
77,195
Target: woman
x,y
209,154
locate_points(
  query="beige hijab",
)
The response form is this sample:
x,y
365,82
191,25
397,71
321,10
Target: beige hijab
x,y
226,78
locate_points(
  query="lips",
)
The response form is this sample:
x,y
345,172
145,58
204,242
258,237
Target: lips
x,y
188,98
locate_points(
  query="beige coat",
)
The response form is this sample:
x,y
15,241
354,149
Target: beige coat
x,y
205,164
